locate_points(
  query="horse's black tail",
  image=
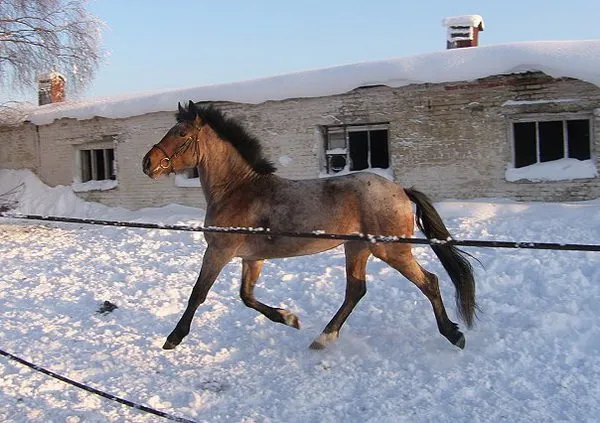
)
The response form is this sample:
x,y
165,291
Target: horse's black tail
x,y
453,259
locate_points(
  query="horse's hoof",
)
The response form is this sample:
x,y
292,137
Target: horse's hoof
x,y
323,340
460,341
170,345
316,346
290,319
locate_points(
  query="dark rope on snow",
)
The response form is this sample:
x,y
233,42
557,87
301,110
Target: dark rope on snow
x,y
317,234
94,390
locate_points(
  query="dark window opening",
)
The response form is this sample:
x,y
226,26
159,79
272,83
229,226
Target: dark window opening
x,y
380,157
110,159
551,140
86,165
359,150
355,149
525,144
544,141
579,139
97,164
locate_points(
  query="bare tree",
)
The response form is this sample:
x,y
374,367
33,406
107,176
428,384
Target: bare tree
x,y
39,36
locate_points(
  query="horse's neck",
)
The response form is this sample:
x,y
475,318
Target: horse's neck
x,y
222,171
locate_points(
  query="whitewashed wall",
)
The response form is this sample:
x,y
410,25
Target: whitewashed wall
x,y
449,140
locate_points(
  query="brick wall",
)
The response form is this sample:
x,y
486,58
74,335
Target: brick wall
x,y
19,147
449,140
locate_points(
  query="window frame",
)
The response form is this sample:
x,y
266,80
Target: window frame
x,y
104,143
346,130
540,117
108,169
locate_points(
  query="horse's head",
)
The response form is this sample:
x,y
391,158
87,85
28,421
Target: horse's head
x,y
178,150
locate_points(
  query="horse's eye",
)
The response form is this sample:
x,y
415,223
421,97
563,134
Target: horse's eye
x,y
182,134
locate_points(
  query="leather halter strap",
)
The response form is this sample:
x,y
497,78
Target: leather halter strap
x,y
165,162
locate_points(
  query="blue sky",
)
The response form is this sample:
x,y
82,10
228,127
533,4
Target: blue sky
x,y
162,45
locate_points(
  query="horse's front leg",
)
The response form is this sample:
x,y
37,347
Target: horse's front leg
x,y
213,262
250,272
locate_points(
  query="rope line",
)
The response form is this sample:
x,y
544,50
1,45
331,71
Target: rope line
x,y
318,234
94,390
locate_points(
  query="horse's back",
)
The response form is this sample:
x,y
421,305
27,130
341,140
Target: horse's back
x,y
359,202
384,206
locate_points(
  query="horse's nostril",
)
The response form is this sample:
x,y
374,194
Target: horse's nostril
x,y
146,164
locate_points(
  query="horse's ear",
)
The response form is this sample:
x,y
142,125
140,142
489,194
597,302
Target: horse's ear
x,y
180,108
195,113
192,108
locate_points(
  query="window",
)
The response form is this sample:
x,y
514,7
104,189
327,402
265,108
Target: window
x,y
548,140
354,148
97,164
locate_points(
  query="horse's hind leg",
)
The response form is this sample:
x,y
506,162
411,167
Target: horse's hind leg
x,y
250,272
400,257
357,254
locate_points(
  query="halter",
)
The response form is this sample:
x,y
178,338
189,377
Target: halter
x,y
165,162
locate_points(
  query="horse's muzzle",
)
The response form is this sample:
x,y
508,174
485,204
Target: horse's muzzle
x,y
146,165
148,169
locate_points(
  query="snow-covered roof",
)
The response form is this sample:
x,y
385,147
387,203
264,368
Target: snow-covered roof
x,y
474,21
51,75
575,59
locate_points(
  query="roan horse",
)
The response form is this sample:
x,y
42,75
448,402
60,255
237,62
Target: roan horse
x,y
242,190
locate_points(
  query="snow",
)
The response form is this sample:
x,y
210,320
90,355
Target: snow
x,y
533,356
103,185
556,170
464,20
575,59
546,101
339,150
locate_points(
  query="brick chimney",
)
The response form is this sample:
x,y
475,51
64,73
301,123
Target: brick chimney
x,y
462,31
51,88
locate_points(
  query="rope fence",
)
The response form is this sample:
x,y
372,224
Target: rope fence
x,y
317,234
94,390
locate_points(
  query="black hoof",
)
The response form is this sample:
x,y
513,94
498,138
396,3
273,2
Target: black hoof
x,y
287,318
292,320
316,346
170,344
323,340
460,341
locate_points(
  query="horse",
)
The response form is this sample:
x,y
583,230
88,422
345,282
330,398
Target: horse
x,y
242,190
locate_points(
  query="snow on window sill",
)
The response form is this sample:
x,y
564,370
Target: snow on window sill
x,y
336,151
184,182
104,185
557,170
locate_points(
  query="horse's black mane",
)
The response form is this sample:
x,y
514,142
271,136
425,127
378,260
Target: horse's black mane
x,y
230,130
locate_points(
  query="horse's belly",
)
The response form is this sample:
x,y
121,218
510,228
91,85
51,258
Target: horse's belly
x,y
280,247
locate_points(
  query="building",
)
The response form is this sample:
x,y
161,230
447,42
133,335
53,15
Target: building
x,y
519,121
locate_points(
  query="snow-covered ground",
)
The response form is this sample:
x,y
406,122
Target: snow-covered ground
x,y
533,356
